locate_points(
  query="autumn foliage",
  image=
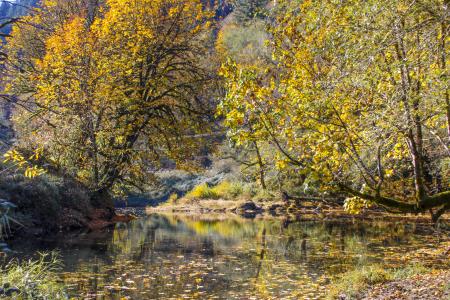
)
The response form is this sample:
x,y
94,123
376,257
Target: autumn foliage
x,y
111,89
348,97
355,99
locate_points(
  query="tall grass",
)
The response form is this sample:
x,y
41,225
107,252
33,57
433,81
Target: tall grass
x,y
225,190
202,191
34,279
230,190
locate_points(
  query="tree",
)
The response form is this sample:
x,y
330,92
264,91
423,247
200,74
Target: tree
x,y
357,98
113,90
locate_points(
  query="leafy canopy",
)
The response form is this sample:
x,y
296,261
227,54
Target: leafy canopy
x,y
108,92
356,96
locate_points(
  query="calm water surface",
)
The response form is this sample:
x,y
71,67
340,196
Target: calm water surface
x,y
175,257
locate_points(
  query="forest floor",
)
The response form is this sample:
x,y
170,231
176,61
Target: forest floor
x,y
433,285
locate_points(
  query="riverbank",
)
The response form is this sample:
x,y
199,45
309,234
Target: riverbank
x,y
433,285
423,274
49,204
308,210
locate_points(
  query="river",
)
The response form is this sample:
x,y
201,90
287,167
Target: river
x,y
181,257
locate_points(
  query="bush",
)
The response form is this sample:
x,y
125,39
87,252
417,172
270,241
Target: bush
x,y
228,190
224,190
34,279
409,271
173,199
43,198
263,195
244,44
202,191
353,282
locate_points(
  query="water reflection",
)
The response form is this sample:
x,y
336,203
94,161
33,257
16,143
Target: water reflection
x,y
173,257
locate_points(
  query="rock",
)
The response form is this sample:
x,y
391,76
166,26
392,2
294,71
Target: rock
x,y
9,292
280,210
2,291
275,206
248,209
250,205
292,209
99,224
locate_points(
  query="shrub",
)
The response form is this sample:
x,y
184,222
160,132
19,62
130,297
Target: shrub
x,y
263,195
43,198
243,44
228,190
409,271
355,281
202,191
173,199
224,190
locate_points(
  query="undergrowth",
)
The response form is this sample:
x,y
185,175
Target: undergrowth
x,y
227,190
353,282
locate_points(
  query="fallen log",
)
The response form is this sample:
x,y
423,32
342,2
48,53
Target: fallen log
x,y
299,199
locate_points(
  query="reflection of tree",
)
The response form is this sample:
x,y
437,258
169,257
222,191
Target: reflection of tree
x,y
262,253
303,247
208,247
157,251
146,249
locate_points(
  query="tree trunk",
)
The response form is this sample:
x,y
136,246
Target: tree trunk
x,y
440,201
261,166
414,138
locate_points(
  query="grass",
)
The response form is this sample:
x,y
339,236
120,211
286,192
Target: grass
x,y
229,190
355,281
263,195
34,279
173,199
225,190
202,191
